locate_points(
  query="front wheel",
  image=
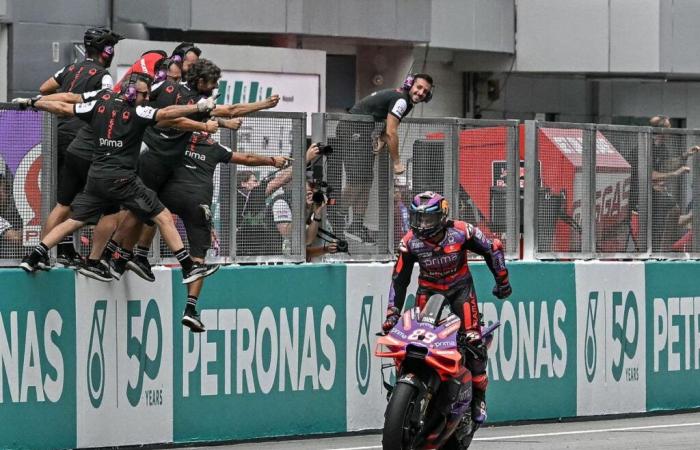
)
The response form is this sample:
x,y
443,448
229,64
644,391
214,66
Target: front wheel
x,y
398,432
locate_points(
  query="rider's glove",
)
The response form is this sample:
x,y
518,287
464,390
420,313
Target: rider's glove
x,y
502,288
392,316
206,104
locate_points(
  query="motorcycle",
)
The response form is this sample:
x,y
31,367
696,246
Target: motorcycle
x,y
430,403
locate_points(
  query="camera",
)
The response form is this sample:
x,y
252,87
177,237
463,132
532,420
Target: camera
x,y
322,190
342,246
324,149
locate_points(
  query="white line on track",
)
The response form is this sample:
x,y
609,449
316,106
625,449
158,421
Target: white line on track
x,y
561,433
564,433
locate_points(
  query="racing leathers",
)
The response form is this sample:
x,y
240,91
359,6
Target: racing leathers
x,y
444,270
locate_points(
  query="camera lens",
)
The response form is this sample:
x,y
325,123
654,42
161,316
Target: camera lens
x,y
318,197
342,246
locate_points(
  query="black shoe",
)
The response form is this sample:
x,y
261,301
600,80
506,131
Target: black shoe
x,y
141,267
117,267
95,270
190,319
359,233
197,271
30,263
69,258
44,263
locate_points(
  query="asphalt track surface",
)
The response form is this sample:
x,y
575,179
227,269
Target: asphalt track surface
x,y
677,431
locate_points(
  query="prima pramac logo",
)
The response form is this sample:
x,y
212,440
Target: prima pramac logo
x,y
363,356
96,355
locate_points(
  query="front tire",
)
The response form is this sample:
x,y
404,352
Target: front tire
x,y
398,432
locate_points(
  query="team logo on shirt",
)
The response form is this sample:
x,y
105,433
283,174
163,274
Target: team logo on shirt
x,y
170,89
101,109
92,72
125,116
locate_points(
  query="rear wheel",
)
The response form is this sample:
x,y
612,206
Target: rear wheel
x,y
398,432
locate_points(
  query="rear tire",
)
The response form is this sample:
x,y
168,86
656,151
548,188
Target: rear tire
x,y
397,434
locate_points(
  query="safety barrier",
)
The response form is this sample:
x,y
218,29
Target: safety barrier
x,y
288,352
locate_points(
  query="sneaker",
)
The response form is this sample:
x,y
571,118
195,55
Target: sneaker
x,y
190,319
69,258
141,267
95,270
479,413
197,271
359,233
117,267
44,263
30,263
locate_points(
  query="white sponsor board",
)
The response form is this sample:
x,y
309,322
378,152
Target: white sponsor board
x,y
366,302
124,361
610,338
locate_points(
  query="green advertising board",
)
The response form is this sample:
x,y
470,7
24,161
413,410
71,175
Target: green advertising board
x,y
533,354
673,335
272,361
37,359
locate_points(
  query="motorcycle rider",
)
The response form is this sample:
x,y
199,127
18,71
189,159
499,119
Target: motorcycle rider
x,y
440,247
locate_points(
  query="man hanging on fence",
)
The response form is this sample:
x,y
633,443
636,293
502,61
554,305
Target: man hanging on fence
x,y
357,148
86,76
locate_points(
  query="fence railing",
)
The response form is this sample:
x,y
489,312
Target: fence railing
x,y
547,190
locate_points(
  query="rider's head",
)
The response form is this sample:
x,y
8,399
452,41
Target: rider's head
x,y
203,76
428,214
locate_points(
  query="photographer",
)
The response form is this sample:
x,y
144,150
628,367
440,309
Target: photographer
x,y
316,244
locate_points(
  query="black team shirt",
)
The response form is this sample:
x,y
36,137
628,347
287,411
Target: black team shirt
x,y
168,144
118,130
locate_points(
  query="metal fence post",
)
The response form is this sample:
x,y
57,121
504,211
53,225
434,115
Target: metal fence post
x,y
588,161
532,178
513,192
644,189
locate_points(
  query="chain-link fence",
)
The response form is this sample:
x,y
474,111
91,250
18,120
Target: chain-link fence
x,y
257,211
361,185
597,191
490,171
27,179
606,191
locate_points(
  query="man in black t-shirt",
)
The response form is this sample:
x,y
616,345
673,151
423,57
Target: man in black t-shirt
x,y
165,152
188,193
356,149
86,76
119,121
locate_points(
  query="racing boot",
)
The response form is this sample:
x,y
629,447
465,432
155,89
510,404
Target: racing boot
x,y
479,406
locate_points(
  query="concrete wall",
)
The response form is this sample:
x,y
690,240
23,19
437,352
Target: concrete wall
x,y
485,25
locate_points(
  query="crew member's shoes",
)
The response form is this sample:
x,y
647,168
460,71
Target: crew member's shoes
x,y
117,267
141,267
197,271
67,256
96,270
191,320
44,263
30,263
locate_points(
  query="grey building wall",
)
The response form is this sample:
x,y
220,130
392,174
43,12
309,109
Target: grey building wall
x,y
484,25
401,20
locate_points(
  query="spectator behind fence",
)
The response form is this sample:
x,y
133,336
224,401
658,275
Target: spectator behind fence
x,y
666,217
357,148
251,202
669,160
320,239
10,220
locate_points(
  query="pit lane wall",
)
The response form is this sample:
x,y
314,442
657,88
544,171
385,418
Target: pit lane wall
x,y
288,350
